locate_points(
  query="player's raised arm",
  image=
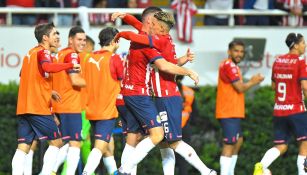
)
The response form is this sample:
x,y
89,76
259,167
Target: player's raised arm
x,y
129,19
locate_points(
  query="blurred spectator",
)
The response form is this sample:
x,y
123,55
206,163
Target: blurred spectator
x,y
100,18
296,8
83,13
185,10
258,5
116,3
22,19
63,19
2,16
139,3
217,5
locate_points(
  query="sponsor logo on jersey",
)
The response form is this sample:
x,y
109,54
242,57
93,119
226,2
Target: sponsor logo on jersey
x,y
283,107
163,116
286,61
283,76
74,61
128,86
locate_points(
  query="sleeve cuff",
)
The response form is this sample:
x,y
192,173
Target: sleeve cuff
x,y
155,58
150,41
235,80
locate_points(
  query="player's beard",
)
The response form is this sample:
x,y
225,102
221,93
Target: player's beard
x,y
236,60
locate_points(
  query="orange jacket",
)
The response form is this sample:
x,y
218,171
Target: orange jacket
x,y
102,89
34,94
189,97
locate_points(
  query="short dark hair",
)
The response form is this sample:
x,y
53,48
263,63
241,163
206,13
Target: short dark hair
x,y
89,39
234,43
41,30
293,38
74,30
106,35
150,10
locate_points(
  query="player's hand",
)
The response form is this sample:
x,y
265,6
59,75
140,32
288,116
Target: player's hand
x,y
56,96
116,38
120,123
77,67
190,55
116,15
258,78
194,76
56,120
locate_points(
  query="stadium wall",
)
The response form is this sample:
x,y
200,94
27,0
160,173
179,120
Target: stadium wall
x,y
210,46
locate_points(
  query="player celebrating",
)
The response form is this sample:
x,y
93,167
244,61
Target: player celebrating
x,y
289,80
168,101
34,95
103,72
136,92
230,104
68,85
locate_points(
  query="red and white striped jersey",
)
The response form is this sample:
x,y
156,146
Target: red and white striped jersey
x,y
137,78
185,9
164,84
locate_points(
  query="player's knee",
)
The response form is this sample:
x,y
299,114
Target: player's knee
x,y
57,142
75,144
156,135
282,148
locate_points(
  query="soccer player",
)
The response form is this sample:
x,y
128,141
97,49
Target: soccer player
x,y
34,97
289,80
103,72
68,85
169,101
230,104
86,126
136,92
55,96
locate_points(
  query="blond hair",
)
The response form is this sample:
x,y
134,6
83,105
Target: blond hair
x,y
166,18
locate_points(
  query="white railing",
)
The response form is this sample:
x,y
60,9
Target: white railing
x,y
55,11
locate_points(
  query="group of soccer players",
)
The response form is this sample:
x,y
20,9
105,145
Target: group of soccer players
x,y
143,90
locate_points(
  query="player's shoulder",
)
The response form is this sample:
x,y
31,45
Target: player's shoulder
x,y
44,53
228,63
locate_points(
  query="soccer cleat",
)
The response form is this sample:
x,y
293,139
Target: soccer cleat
x,y
258,169
305,165
53,173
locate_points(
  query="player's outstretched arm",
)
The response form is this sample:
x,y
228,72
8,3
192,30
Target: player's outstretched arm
x,y
129,19
138,38
57,67
171,68
242,87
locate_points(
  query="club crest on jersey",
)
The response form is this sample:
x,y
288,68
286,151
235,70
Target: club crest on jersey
x,y
46,52
74,55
